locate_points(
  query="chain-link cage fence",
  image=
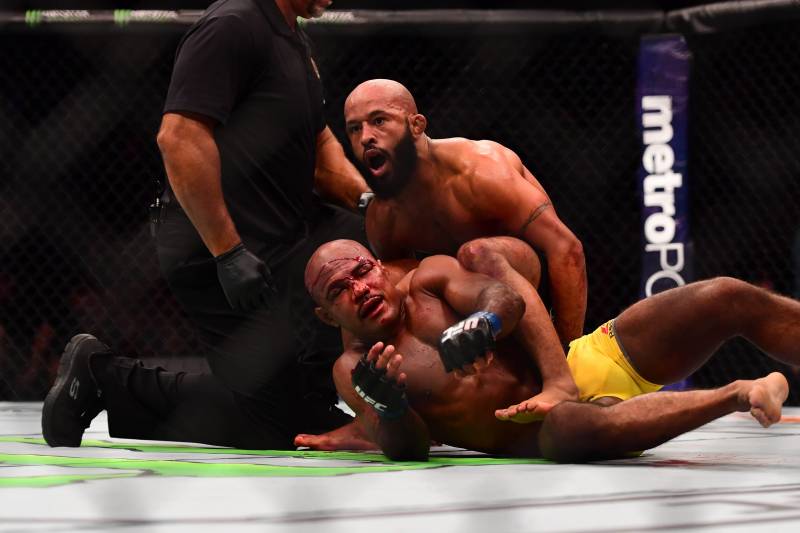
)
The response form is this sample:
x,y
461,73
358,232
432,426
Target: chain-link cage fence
x,y
78,157
745,172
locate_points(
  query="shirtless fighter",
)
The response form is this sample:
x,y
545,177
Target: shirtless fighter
x,y
435,195
404,401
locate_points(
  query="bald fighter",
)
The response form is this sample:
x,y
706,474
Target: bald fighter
x,y
395,376
435,195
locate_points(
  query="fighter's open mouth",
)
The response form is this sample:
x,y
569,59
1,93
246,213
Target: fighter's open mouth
x,y
370,305
374,159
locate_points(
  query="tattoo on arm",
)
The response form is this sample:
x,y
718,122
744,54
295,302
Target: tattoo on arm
x,y
533,216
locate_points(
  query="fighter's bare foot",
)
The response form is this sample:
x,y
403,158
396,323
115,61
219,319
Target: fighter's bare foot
x,y
765,396
348,437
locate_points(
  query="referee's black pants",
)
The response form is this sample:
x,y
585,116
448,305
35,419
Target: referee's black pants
x,y
270,368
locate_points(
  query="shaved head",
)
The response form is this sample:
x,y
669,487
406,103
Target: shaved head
x,y
389,92
353,291
385,131
324,262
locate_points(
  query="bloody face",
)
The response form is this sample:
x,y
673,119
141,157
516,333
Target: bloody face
x,y
357,294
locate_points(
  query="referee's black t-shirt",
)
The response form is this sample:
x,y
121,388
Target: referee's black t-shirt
x,y
242,65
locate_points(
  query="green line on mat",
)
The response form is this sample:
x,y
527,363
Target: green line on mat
x,y
300,454
182,468
43,482
198,467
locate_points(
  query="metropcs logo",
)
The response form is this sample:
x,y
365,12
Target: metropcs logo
x,y
659,190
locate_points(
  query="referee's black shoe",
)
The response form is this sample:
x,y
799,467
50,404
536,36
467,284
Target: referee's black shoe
x,y
75,398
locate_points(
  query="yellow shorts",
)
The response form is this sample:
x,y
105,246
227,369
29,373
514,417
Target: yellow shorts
x,y
600,368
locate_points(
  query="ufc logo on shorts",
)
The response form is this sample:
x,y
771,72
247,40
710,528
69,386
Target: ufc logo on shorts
x,y
465,325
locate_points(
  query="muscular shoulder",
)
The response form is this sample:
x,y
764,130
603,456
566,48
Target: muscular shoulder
x,y
469,163
462,155
495,161
486,179
493,149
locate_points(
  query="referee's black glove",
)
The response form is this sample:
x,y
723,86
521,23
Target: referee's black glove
x,y
245,279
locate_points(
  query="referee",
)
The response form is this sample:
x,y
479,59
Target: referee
x,y
247,152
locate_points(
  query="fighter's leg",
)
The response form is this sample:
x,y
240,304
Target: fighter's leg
x,y
671,334
493,256
514,263
576,432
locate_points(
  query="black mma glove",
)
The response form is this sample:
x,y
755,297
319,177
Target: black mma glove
x,y
382,393
245,279
469,339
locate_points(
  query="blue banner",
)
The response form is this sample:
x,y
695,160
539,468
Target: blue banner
x,y
662,97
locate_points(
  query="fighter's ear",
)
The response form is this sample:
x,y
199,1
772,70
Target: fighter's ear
x,y
418,124
326,317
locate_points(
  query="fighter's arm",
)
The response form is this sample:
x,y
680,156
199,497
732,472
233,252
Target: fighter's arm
x,y
566,267
534,220
529,410
335,177
491,198
469,292
400,433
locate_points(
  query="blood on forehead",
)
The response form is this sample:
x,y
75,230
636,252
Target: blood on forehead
x,y
332,267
